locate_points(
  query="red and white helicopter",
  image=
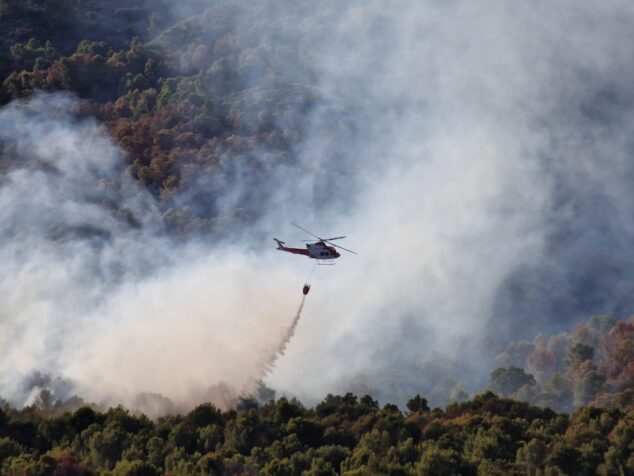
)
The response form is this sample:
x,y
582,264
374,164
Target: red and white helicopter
x,y
318,250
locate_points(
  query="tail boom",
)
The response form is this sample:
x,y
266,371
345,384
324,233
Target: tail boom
x,y
296,251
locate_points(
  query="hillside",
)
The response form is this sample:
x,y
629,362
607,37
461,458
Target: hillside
x,y
477,157
191,102
593,364
340,435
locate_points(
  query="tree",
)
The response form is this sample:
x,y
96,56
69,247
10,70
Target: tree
x,y
489,444
211,463
320,467
507,381
82,418
613,463
591,384
532,456
374,444
210,437
442,462
106,446
134,468
417,404
156,451
334,454
579,353
244,432
308,432
565,457
8,448
285,410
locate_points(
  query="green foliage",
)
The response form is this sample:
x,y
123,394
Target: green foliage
x,y
417,404
33,54
107,446
437,461
9,448
532,456
580,352
134,468
507,381
589,387
342,435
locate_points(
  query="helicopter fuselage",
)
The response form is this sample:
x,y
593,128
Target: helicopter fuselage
x,y
321,250
318,250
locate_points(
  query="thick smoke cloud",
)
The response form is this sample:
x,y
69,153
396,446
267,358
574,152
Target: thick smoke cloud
x,y
98,302
491,147
477,156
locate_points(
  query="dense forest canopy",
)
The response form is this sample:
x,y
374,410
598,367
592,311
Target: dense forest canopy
x,y
491,195
343,434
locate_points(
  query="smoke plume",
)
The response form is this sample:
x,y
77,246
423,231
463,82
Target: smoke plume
x,y
99,299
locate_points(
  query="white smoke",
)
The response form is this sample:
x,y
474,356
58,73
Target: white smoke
x,y
94,293
492,149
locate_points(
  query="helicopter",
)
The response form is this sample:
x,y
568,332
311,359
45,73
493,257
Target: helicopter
x,y
318,250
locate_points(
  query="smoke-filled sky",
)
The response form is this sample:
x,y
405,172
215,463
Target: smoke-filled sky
x,y
477,156
97,295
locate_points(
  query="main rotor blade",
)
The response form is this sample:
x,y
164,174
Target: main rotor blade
x,y
304,229
342,248
327,239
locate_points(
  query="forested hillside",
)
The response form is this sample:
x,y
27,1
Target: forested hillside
x,y
593,364
191,101
340,435
212,103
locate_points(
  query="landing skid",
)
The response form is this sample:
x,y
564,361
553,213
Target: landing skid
x,y
326,262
